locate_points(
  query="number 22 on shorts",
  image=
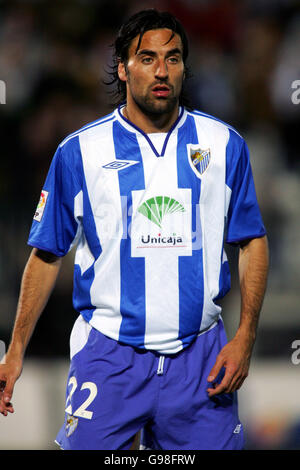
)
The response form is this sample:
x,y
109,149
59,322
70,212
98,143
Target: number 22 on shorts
x,y
82,411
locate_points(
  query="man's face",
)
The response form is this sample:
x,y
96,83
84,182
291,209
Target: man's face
x,y
154,74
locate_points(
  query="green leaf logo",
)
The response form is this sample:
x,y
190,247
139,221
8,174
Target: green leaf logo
x,y
157,207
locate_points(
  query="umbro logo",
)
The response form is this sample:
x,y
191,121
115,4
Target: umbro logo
x,y
119,164
237,429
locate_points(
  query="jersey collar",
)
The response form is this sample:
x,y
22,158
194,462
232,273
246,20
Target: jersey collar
x,y
133,128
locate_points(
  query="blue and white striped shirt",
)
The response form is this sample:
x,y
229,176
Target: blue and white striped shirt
x,y
149,224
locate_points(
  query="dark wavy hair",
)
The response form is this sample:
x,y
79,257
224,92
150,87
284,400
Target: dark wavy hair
x,y
138,24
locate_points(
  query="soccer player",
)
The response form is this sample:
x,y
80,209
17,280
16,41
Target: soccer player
x,y
149,194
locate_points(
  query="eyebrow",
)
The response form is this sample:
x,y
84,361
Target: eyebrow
x,y
176,50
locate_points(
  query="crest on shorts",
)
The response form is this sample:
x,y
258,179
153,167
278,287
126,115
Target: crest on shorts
x,y
199,159
71,425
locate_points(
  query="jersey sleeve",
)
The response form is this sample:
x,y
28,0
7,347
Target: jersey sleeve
x,y
55,224
244,219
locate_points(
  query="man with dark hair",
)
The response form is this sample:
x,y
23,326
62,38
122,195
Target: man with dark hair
x,y
149,194
136,27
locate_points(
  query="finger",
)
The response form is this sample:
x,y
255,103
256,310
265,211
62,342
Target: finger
x,y
215,370
2,385
237,383
5,406
220,388
8,409
8,391
223,386
2,404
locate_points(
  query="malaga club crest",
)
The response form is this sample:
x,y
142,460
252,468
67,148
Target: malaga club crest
x,y
199,159
71,425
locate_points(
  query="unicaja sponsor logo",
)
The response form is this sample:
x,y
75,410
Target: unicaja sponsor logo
x,y
172,240
156,208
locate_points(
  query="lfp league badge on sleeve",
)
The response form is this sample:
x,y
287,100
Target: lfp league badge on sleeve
x,y
41,206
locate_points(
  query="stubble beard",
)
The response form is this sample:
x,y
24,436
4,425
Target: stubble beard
x,y
152,106
155,107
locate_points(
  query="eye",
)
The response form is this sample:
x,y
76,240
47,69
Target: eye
x,y
147,60
173,60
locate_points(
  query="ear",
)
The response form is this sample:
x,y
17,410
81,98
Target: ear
x,y
122,72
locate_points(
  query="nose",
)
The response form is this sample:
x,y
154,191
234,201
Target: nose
x,y
162,69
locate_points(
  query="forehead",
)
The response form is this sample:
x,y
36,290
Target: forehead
x,y
156,40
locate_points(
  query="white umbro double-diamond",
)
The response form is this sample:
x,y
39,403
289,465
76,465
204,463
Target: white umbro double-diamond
x,y
119,164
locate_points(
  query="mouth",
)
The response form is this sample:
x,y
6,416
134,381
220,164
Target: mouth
x,y
161,91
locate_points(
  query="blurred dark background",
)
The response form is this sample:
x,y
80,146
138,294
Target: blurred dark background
x,y
244,59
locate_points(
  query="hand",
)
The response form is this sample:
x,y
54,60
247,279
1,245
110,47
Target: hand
x,y
235,358
9,373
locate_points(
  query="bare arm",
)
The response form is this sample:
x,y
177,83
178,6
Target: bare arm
x,y
38,280
236,355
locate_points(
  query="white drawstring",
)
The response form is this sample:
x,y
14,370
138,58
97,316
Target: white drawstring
x,y
160,369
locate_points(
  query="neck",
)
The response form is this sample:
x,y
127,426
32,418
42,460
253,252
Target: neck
x,y
151,123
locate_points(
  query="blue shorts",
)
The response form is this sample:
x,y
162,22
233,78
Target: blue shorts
x,y
114,390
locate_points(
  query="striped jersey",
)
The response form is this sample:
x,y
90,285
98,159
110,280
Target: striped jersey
x,y
149,215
